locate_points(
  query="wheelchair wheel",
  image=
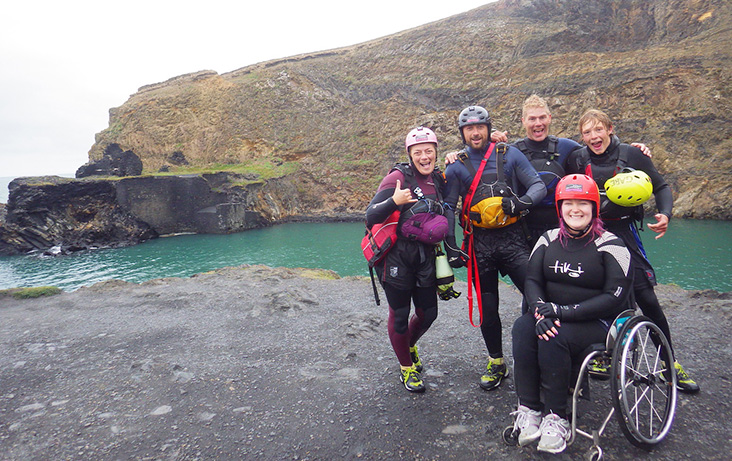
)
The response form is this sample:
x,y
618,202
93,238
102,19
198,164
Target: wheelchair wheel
x,y
594,454
510,437
643,382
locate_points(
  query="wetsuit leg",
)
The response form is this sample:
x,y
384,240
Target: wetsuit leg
x,y
425,312
555,360
646,298
643,278
518,277
491,327
398,323
526,362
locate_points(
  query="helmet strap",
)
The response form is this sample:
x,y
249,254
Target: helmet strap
x,y
576,234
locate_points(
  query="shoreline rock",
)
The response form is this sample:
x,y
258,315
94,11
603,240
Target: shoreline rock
x,y
63,215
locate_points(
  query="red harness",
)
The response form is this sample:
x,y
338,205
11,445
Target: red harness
x,y
468,237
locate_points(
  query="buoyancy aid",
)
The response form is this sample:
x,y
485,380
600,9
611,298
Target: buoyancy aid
x,y
546,165
485,209
426,219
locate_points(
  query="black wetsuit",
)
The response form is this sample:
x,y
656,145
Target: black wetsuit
x,y
543,215
591,278
504,249
407,274
622,220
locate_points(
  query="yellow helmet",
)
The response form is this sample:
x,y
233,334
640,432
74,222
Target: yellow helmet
x,y
629,188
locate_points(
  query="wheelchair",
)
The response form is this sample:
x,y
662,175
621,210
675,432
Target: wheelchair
x,y
642,382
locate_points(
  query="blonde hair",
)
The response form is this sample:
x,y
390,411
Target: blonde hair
x,y
597,116
534,102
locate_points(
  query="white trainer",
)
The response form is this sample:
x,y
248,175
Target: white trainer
x,y
527,423
555,434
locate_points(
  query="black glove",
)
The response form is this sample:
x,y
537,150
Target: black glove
x,y
512,206
549,310
455,256
544,326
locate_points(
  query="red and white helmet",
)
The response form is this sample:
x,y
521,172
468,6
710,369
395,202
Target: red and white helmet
x,y
418,136
577,187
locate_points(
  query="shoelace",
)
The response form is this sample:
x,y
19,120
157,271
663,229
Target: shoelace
x,y
553,427
494,367
412,374
682,374
522,419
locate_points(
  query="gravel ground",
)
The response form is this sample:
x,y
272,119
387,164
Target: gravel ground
x,y
261,363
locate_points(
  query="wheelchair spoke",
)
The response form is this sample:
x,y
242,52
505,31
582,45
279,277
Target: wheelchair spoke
x,y
644,369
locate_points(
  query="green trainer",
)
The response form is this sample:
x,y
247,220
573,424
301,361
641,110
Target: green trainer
x,y
415,358
412,380
495,372
599,369
683,382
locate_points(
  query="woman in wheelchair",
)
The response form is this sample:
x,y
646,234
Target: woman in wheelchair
x,y
577,283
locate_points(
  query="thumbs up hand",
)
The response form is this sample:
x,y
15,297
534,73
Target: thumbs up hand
x,y
402,196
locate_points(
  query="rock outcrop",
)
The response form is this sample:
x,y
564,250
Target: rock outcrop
x,y
60,215
660,68
114,162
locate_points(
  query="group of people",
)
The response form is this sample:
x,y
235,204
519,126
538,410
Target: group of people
x,y
535,210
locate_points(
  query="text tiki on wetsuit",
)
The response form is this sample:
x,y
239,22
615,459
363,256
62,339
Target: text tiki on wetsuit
x,y
577,283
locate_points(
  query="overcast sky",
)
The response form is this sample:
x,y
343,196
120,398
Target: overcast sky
x,y
64,64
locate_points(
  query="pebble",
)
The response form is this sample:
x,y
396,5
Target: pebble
x,y
162,410
31,407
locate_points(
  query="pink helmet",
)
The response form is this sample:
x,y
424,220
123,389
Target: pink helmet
x,y
418,136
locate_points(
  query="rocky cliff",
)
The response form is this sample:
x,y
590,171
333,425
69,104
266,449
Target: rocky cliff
x,y
62,215
312,135
660,68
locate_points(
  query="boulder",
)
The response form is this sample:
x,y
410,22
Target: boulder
x,y
114,162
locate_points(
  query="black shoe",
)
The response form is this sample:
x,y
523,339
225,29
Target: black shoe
x,y
599,369
683,382
415,359
494,375
412,380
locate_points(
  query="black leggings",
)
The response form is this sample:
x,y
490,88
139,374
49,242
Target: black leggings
x,y
547,365
646,299
403,331
491,328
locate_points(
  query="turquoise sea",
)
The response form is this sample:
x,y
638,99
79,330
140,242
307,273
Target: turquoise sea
x,y
693,254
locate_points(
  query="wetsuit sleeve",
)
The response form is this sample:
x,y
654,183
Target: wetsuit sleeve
x,y
453,190
535,283
382,205
572,164
661,189
615,292
528,177
566,147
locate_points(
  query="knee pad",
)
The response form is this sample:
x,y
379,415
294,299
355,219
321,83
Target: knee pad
x,y
429,315
399,319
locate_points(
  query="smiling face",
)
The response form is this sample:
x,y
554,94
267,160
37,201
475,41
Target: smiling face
x,y
424,157
596,136
536,121
476,136
577,214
